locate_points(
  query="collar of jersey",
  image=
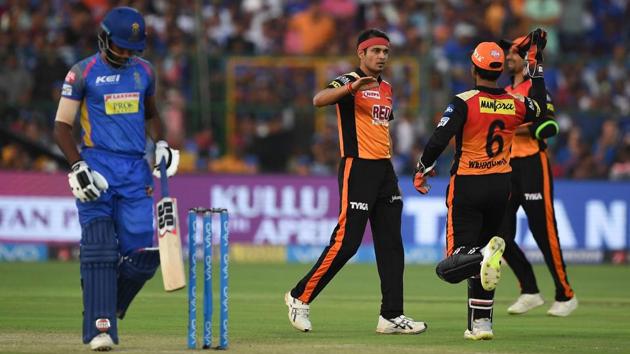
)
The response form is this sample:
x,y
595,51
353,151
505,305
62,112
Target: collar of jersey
x,y
111,67
490,90
362,74
525,79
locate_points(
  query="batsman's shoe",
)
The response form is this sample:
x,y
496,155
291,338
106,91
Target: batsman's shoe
x,y
491,263
401,324
563,308
102,343
524,303
481,330
298,313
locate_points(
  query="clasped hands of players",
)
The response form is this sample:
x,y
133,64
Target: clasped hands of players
x,y
530,49
87,185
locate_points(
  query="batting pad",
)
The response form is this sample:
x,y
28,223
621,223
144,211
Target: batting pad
x,y
457,267
99,258
134,270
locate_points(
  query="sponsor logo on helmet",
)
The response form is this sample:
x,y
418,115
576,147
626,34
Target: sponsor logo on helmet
x,y
135,30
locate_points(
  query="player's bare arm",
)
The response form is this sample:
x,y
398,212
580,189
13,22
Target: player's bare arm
x,y
85,184
155,128
64,121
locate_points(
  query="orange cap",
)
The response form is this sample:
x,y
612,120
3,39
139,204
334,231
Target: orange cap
x,y
488,56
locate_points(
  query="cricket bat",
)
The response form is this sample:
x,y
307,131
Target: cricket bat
x,y
169,240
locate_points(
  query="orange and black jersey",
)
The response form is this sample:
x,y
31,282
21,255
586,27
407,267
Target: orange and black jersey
x,y
483,121
363,119
523,146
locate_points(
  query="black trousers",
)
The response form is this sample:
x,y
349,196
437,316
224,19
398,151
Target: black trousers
x,y
532,188
476,205
368,190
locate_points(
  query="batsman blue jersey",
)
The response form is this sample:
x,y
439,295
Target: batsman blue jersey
x,y
112,103
112,115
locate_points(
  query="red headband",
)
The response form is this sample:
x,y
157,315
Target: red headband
x,y
373,41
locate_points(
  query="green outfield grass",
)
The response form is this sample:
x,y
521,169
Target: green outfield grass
x,y
40,312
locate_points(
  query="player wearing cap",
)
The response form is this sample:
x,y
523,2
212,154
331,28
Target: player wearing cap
x,y
483,122
532,188
368,189
113,91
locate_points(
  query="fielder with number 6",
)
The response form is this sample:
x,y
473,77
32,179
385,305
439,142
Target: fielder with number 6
x,y
113,91
483,121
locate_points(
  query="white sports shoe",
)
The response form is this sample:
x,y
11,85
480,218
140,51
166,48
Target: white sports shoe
x,y
401,324
524,303
491,263
102,343
563,308
298,313
481,330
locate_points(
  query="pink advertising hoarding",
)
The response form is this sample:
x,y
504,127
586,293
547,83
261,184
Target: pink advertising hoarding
x,y
263,209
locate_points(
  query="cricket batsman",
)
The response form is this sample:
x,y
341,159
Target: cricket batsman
x,y
112,92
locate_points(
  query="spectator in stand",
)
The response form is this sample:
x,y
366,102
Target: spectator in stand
x,y
620,169
309,31
590,84
605,148
15,81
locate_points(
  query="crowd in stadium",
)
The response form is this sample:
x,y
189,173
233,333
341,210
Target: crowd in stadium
x,y
587,73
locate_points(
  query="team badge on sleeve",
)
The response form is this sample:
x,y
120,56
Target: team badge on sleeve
x,y
449,109
66,90
446,116
443,121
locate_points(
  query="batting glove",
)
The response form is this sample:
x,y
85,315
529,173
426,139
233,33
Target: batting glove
x,y
170,157
85,183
